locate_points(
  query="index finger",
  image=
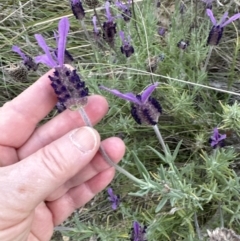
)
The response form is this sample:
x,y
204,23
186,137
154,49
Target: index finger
x,y
19,117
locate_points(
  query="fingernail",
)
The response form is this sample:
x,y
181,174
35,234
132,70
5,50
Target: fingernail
x,y
84,139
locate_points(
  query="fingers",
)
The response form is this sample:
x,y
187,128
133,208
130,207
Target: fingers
x,y
78,196
115,149
19,117
96,108
8,156
36,177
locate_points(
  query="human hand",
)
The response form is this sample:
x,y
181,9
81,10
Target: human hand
x,y
49,171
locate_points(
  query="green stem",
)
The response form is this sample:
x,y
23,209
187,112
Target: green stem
x,y
87,36
221,215
197,227
104,154
135,21
208,58
159,136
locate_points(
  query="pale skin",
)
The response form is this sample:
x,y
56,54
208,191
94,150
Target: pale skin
x,y
47,172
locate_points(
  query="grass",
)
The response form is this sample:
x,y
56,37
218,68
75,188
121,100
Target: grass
x,y
198,184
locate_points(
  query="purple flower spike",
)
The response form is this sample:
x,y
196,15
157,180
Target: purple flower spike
x,y
125,8
109,27
145,109
114,199
217,140
77,9
67,84
126,47
216,32
138,233
27,60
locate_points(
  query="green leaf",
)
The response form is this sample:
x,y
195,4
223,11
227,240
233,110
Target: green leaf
x,y
176,150
161,204
141,168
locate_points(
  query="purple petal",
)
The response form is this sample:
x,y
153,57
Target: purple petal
x,y
215,133
147,92
136,228
120,5
94,20
44,60
74,1
114,206
108,13
63,29
214,143
110,192
222,137
16,49
233,18
210,15
42,43
121,34
223,19
127,96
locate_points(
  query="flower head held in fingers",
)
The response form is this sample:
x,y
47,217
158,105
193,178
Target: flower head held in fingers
x,y
109,26
126,11
138,233
77,9
217,140
67,84
216,31
145,109
126,47
28,61
114,199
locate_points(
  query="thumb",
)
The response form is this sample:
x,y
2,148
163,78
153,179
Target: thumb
x,y
27,183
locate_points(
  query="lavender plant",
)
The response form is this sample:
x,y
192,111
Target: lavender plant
x,y
195,186
216,31
138,233
109,26
28,61
125,8
126,47
114,199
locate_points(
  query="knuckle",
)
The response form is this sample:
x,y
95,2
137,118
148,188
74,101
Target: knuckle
x,y
54,161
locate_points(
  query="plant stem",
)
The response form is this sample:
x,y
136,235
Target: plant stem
x,y
221,215
208,58
135,21
197,227
87,36
159,136
104,154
